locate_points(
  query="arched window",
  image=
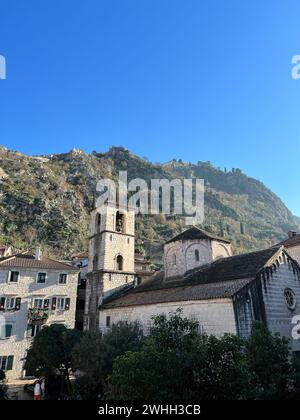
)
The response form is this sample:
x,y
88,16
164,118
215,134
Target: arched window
x,y
197,256
174,259
120,222
119,263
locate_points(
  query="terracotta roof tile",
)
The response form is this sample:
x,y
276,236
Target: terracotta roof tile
x,y
294,241
223,278
196,233
29,261
177,294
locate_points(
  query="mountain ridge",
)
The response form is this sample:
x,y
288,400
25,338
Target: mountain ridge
x,y
46,200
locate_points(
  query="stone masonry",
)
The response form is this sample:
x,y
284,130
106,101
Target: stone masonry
x,y
28,290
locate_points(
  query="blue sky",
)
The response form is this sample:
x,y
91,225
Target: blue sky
x,y
190,79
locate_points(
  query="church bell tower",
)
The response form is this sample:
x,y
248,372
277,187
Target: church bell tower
x,y
111,256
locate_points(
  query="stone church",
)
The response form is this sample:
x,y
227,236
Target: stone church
x,y
223,292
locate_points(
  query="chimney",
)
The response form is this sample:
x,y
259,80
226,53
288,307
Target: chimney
x,y
38,253
292,233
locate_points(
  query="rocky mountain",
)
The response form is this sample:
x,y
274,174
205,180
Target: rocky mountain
x,y
47,199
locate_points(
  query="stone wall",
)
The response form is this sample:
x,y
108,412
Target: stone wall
x,y
264,300
215,316
107,244
278,315
180,256
294,252
28,290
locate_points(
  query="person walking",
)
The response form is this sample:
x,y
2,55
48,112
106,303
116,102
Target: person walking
x,y
37,392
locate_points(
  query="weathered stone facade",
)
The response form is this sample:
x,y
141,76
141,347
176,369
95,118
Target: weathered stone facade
x,y
181,256
224,293
264,300
28,290
292,245
111,257
294,252
278,315
215,316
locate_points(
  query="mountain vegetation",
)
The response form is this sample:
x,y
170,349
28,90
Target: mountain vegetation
x,y
46,200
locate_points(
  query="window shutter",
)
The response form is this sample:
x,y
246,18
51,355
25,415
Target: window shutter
x,y
2,304
46,303
18,304
10,362
8,330
53,307
68,302
28,331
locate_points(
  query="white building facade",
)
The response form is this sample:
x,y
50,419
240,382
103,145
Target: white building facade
x,y
33,292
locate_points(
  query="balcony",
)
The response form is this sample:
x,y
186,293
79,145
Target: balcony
x,y
38,316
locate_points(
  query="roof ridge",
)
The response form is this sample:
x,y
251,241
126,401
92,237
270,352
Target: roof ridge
x,y
204,232
58,261
196,270
7,258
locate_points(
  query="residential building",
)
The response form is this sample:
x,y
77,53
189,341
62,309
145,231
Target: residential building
x,y
34,291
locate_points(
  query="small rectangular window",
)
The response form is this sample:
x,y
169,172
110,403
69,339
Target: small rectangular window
x,y
41,278
2,304
10,363
67,304
46,303
5,331
53,305
10,304
108,321
63,278
60,304
18,304
41,303
32,330
6,362
3,362
38,303
14,277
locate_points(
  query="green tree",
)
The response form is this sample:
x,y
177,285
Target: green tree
x,y
177,362
88,360
269,361
94,355
220,368
123,336
3,388
50,354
